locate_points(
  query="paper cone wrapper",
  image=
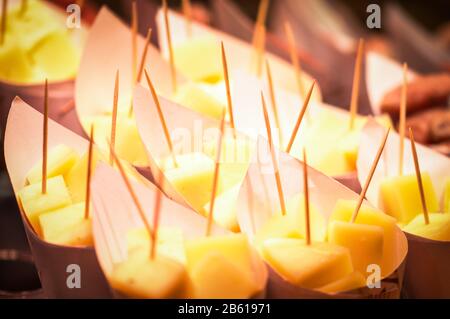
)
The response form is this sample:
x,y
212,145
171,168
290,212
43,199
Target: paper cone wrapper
x,y
427,264
109,49
421,279
115,214
382,75
23,149
60,97
258,200
239,53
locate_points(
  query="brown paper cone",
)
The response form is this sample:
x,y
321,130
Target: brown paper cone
x,y
115,214
258,199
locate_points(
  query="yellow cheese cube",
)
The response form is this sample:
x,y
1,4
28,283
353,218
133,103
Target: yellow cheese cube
x,y
309,266
367,215
400,196
352,281
199,59
194,97
193,178
437,229
60,160
142,277
225,209
209,258
446,197
348,145
217,277
77,175
16,67
34,203
128,144
292,225
67,226
365,243
170,242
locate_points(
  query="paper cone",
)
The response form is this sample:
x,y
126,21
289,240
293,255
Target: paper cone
x,y
23,149
239,53
429,279
258,199
382,75
60,95
115,214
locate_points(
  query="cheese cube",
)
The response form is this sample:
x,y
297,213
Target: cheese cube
x,y
367,215
401,198
16,67
170,242
446,197
308,266
437,229
67,226
199,59
60,160
193,178
142,277
365,243
34,203
194,97
209,258
225,209
352,281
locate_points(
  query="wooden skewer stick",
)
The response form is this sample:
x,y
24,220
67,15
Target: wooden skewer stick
x,y
306,188
23,7
300,118
134,27
260,49
419,177
274,159
216,177
89,174
259,35
114,118
294,57
402,120
161,117
227,85
45,141
356,82
144,55
133,195
169,43
156,214
3,22
187,12
369,177
273,101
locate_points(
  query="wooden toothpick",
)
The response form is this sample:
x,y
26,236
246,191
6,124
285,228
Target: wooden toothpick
x,y
274,159
133,196
356,82
144,55
419,177
227,85
273,101
3,22
156,214
300,118
45,141
187,12
362,195
216,176
114,118
169,43
402,120
161,117
259,35
89,174
306,188
294,57
134,31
